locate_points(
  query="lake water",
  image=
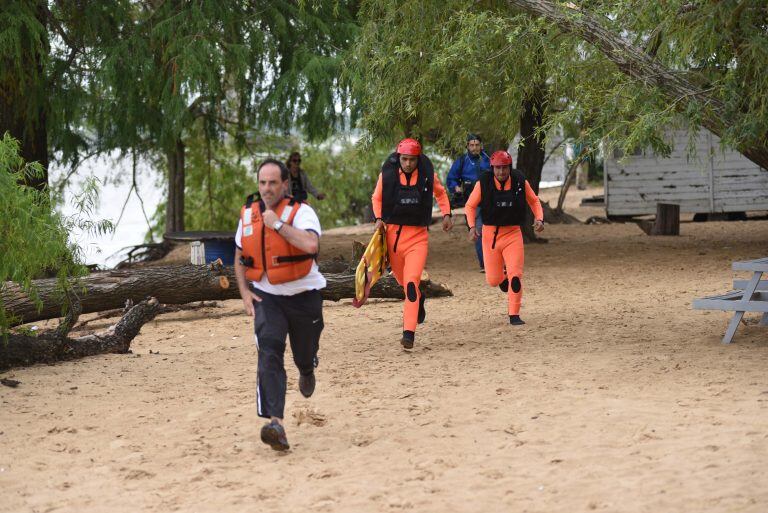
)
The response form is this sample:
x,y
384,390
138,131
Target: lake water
x,y
115,178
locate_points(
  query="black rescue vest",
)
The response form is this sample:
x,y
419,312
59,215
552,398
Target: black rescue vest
x,y
503,208
297,189
411,204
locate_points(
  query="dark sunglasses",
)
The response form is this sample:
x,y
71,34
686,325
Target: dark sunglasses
x,y
296,160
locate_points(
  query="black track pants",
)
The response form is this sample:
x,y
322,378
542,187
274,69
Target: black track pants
x,y
301,318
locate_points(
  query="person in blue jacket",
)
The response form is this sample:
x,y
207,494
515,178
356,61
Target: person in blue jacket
x,y
465,171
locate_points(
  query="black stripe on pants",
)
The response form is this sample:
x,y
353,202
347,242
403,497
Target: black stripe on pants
x,y
299,317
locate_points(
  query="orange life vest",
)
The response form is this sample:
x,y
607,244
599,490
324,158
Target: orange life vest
x,y
265,250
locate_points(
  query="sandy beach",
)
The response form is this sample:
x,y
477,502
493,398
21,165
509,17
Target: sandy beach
x,y
615,396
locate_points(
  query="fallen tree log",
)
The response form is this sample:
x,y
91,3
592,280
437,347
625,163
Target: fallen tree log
x,y
111,289
342,285
54,346
177,284
119,312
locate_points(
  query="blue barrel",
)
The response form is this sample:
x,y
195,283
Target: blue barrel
x,y
217,244
223,249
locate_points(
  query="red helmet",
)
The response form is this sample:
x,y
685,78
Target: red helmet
x,y
409,147
501,158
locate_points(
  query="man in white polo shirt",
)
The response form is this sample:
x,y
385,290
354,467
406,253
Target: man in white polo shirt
x,y
275,264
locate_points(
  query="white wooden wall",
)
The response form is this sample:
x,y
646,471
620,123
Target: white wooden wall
x,y
554,169
708,180
553,172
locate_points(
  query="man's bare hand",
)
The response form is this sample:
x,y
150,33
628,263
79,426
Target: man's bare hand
x,y
538,225
248,299
447,223
473,235
379,225
269,218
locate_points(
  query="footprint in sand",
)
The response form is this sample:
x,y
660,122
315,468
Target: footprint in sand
x,y
492,474
324,503
139,474
361,440
309,416
324,474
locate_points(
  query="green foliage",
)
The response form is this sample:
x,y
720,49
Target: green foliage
x,y
23,38
47,76
310,41
20,32
721,46
34,240
439,69
232,65
168,65
220,177
347,177
218,180
179,74
143,77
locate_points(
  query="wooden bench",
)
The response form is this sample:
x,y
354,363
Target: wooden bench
x,y
749,296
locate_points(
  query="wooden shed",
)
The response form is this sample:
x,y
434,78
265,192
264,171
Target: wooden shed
x,y
555,166
708,180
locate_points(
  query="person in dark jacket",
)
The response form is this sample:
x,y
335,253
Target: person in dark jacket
x,y
461,180
300,185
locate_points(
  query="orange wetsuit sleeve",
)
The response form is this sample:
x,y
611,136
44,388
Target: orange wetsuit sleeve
x,y
470,209
376,199
441,196
533,202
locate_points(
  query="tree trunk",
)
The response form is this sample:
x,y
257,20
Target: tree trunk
x,y
410,124
104,291
174,214
495,145
567,182
24,98
172,285
633,61
53,347
531,152
667,220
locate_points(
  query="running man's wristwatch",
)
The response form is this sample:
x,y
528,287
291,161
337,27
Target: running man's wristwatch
x,y
277,225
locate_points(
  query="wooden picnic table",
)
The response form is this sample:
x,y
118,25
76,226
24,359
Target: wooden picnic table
x,y
749,296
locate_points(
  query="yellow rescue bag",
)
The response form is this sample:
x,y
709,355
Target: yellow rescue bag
x,y
371,267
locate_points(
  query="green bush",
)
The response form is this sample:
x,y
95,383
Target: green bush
x,y
347,178
218,181
34,239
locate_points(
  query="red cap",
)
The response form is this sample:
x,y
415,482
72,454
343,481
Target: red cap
x,y
409,147
501,158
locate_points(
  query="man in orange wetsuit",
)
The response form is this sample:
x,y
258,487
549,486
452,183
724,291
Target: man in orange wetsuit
x,y
502,194
402,204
